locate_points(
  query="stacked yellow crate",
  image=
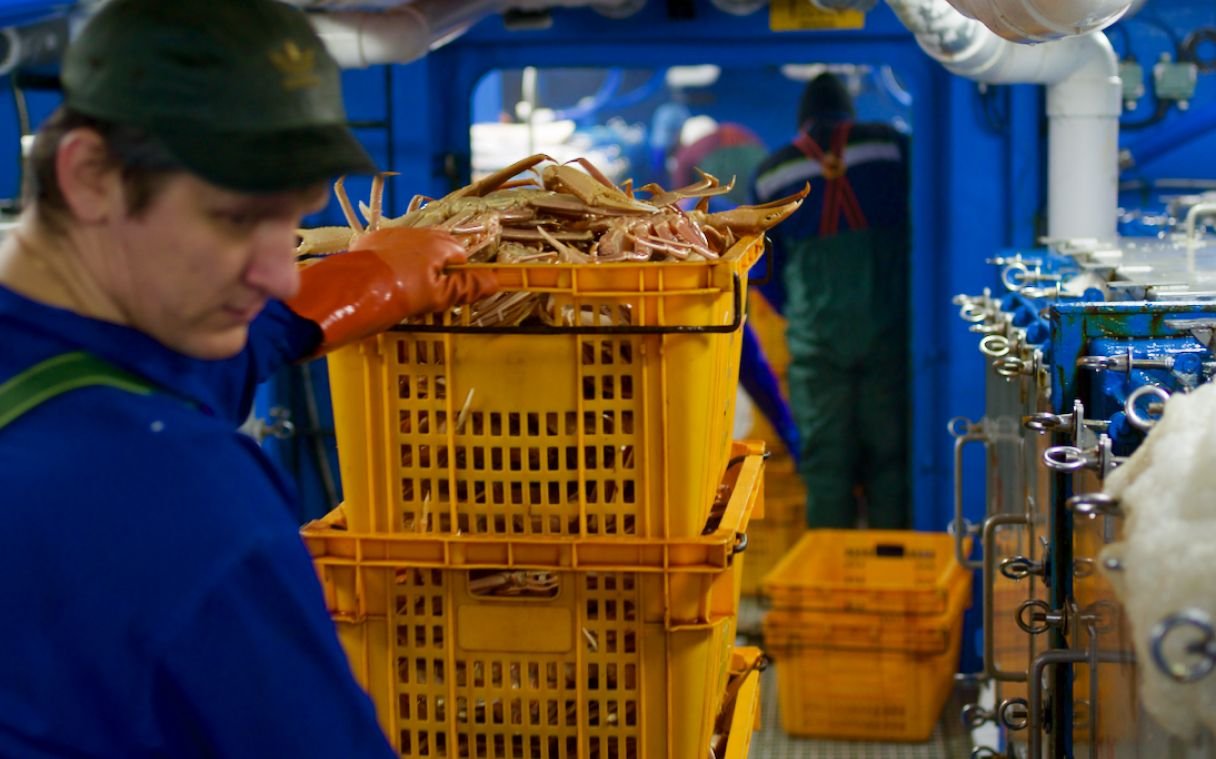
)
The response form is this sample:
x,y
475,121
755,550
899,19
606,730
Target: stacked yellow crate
x,y
865,629
537,552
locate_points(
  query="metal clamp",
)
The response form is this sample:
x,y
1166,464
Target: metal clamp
x,y
1036,617
975,716
1202,650
995,346
991,524
1095,505
964,432
996,327
1014,713
1144,423
1017,277
1124,362
1011,367
1048,422
976,308
1020,567
1070,459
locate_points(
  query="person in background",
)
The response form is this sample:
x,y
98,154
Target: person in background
x,y
731,152
157,598
842,260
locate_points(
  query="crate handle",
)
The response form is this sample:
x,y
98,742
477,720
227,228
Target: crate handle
x,y
768,264
889,550
547,329
740,543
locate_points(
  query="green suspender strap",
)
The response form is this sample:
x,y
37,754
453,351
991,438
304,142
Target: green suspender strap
x,y
61,374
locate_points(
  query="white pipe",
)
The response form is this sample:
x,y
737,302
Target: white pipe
x,y
360,39
1025,20
1083,106
1042,20
409,31
1083,145
1192,216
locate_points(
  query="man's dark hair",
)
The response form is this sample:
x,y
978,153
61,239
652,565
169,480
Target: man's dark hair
x,y
143,161
825,98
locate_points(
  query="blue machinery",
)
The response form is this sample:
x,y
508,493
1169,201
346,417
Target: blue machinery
x,y
1083,348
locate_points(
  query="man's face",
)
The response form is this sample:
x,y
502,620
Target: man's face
x,y
195,266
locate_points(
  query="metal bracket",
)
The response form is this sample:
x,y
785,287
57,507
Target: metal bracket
x,y
1034,706
964,432
1037,617
991,524
1070,459
1020,567
1095,505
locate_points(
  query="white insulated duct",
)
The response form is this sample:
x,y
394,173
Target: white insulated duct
x,y
1084,100
358,39
407,31
1042,20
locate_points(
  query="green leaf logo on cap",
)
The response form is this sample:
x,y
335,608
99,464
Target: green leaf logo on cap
x,y
298,66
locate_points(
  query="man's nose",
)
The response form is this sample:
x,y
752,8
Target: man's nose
x,y
272,268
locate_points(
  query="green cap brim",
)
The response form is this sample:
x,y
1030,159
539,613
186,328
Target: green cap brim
x,y
271,161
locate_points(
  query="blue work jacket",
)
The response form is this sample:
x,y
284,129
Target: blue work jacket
x,y
155,597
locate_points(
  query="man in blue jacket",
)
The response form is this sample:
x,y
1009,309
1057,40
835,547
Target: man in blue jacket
x,y
843,263
157,599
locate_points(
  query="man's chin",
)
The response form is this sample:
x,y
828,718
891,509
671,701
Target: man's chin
x,y
214,345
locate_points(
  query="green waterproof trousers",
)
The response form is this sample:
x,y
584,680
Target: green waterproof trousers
x,y
846,305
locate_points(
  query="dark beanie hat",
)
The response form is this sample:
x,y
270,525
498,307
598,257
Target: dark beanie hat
x,y
825,97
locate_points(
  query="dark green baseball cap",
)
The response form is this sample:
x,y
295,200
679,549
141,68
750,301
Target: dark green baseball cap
x,y
241,92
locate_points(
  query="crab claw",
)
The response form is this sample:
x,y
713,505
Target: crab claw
x,y
755,219
594,189
499,179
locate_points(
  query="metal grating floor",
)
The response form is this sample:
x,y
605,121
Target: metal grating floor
x,y
950,739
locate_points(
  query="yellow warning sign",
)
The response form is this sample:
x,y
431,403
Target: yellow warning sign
x,y
798,15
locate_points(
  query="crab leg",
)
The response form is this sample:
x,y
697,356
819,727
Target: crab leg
x,y
344,201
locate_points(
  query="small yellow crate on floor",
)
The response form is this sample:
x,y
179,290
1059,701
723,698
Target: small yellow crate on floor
x,y
619,426
894,571
771,538
541,646
878,677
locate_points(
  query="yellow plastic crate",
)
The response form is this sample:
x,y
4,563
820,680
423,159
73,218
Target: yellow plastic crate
x,y
881,677
593,430
536,646
771,538
896,571
740,715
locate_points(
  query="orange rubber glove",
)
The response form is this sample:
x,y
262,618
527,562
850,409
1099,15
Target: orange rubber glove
x,y
386,277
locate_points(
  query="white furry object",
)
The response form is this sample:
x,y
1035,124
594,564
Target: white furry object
x,y
1168,553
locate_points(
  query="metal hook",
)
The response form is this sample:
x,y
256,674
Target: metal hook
x,y
1041,617
1204,647
995,346
1066,458
1143,423
1021,567
1014,713
1095,505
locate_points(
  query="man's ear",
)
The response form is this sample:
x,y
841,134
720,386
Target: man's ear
x,y
91,185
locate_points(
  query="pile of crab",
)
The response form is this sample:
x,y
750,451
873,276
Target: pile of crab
x,y
561,213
